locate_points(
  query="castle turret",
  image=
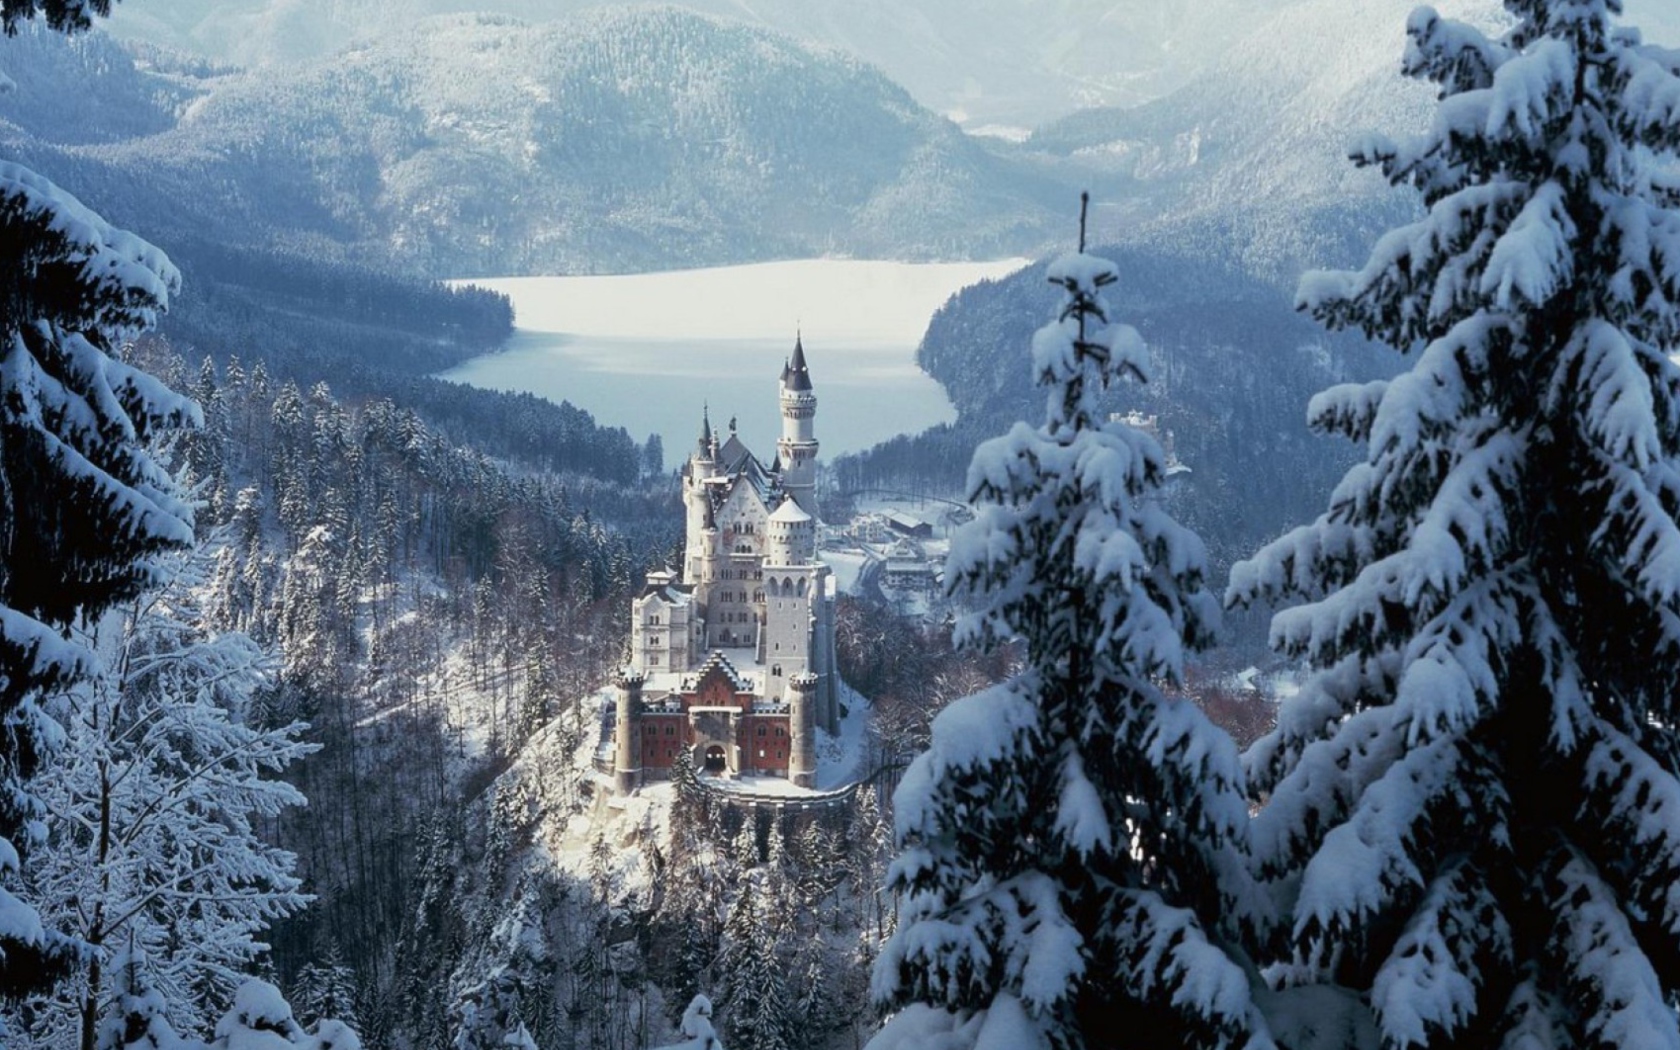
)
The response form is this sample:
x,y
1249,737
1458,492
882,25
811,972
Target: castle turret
x,y
793,536
797,449
627,756
702,464
802,726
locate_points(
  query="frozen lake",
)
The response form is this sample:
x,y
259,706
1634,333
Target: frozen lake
x,y
643,351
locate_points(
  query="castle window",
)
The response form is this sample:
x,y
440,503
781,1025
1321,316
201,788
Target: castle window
x,y
670,730
776,669
780,731
763,731
652,730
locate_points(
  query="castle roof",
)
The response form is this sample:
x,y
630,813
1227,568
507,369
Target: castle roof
x,y
790,511
717,663
736,464
796,376
669,593
733,456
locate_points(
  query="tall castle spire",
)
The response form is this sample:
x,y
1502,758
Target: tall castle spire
x,y
797,449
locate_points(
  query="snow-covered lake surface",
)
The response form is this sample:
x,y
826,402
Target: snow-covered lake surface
x,y
644,351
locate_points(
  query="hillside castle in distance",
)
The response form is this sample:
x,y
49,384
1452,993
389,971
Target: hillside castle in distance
x,y
733,661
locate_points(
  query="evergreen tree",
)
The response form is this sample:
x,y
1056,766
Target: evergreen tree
x,y
259,1019
160,787
327,989
135,1017
1072,843
1472,805
752,992
82,504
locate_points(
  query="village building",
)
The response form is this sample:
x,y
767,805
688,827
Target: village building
x,y
732,653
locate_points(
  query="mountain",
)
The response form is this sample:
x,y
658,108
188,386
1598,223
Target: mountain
x,y
986,61
1251,158
628,139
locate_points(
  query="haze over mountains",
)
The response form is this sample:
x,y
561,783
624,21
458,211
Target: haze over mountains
x,y
636,137
984,62
989,61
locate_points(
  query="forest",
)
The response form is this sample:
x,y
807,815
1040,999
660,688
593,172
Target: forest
x,y
302,651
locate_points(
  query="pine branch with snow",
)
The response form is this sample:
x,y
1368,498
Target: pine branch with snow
x,y
83,506
1072,844
161,786
1471,806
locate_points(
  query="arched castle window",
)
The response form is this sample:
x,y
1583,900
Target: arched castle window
x,y
787,585
773,589
801,587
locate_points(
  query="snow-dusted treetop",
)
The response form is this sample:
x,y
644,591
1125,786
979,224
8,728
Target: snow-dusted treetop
x,y
1473,804
1071,843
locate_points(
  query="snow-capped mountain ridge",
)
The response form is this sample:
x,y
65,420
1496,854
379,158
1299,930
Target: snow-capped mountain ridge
x,y
616,140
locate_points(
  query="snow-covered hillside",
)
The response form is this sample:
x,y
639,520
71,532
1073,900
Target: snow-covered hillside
x,y
988,62
613,140
991,61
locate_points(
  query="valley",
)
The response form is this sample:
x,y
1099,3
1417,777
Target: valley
x,y
645,352
460,455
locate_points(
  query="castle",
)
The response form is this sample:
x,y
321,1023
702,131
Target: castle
x,y
732,661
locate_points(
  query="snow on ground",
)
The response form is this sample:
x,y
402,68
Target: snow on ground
x,y
1276,686
840,758
848,566
642,351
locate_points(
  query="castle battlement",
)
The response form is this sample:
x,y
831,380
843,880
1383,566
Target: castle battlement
x,y
735,647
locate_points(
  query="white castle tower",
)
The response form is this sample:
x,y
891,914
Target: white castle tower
x,y
797,449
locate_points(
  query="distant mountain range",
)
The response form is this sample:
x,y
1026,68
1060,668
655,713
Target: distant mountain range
x,y
615,140
642,137
986,61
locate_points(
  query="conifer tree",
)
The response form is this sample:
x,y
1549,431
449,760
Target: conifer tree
x,y
82,504
1072,842
136,1017
1473,804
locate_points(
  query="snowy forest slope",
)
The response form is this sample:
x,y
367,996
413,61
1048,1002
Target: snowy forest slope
x,y
615,140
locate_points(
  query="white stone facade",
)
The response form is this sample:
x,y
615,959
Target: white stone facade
x,y
751,585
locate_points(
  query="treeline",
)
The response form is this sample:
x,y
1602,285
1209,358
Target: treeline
x,y
1231,364
374,336
477,318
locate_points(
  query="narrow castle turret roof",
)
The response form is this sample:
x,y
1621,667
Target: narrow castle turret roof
x,y
796,375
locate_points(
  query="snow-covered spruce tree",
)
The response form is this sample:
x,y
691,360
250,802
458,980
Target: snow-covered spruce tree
x,y
154,806
1473,803
1073,843
81,503
136,1016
